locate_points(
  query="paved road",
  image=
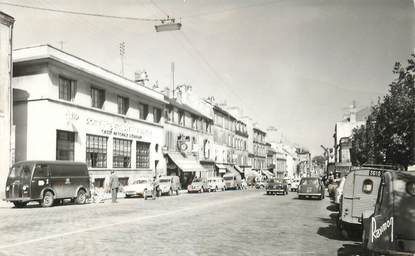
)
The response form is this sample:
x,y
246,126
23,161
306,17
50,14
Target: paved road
x,y
223,223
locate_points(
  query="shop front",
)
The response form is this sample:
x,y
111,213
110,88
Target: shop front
x,y
184,165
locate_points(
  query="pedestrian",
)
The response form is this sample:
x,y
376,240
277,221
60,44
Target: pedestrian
x,y
114,185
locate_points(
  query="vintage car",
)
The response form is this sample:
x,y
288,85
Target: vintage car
x,y
294,184
198,185
390,227
216,184
169,185
261,184
232,180
137,187
359,194
277,186
310,187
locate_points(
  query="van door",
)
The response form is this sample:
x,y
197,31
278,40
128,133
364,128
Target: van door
x,y
366,185
40,180
62,180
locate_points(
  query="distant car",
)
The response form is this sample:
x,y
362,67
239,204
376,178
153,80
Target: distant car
x,y
198,185
232,180
138,187
216,184
261,184
169,185
339,191
294,184
389,228
310,187
277,186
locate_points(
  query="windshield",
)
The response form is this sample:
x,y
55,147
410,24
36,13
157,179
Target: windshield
x,y
141,181
21,170
277,181
164,180
228,178
309,182
197,180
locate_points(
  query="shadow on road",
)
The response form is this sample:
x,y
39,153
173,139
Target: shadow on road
x,y
353,248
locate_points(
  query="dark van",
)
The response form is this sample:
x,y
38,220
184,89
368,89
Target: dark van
x,y
47,181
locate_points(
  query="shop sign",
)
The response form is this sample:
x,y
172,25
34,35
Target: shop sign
x,y
119,130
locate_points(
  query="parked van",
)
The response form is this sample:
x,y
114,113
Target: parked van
x,y
390,227
46,181
169,184
359,194
232,180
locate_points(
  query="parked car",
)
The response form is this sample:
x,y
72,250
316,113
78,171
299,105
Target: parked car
x,y
277,186
169,185
261,184
216,184
310,187
294,184
138,187
359,194
198,185
232,180
46,182
390,227
339,191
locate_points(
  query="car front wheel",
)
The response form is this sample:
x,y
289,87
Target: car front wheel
x,y
81,197
47,200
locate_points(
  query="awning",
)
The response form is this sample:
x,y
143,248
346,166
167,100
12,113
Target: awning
x,y
268,173
250,172
239,169
222,168
187,163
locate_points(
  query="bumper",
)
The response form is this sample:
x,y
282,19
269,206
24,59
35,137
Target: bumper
x,y
134,193
19,199
191,190
276,190
309,194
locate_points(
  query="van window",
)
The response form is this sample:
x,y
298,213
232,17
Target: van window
x,y
410,188
367,186
41,170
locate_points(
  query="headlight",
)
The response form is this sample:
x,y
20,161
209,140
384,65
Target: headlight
x,y
25,187
7,188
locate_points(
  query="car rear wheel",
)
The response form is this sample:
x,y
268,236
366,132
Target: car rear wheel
x,y
47,200
81,197
19,204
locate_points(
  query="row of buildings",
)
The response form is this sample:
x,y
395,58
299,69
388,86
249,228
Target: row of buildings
x,y
63,107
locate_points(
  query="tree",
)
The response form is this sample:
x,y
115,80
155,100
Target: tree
x,y
388,137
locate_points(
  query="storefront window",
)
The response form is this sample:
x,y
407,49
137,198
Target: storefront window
x,y
143,155
65,144
121,153
96,151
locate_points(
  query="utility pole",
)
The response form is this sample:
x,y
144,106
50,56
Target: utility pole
x,y
172,77
122,52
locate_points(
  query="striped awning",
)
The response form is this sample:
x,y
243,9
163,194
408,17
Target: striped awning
x,y
187,163
268,173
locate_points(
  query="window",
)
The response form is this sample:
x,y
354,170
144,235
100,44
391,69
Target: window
x,y
156,115
181,118
96,151
123,105
367,186
121,153
97,97
65,144
143,108
194,122
67,89
143,155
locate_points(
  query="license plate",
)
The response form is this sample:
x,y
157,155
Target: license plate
x,y
375,173
309,190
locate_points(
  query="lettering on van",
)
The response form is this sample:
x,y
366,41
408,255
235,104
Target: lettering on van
x,y
377,232
375,173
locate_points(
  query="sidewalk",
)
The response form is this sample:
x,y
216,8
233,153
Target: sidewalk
x,y
4,204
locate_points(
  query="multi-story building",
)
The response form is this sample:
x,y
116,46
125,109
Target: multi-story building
x,y
188,137
304,162
259,149
66,108
271,161
230,138
6,113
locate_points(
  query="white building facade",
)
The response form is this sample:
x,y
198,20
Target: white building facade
x,y
66,108
6,115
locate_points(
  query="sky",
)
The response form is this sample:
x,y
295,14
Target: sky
x,y
296,65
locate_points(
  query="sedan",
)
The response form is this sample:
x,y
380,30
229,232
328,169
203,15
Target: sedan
x,y
311,187
277,186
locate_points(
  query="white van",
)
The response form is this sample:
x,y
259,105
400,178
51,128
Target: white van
x,y
359,194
